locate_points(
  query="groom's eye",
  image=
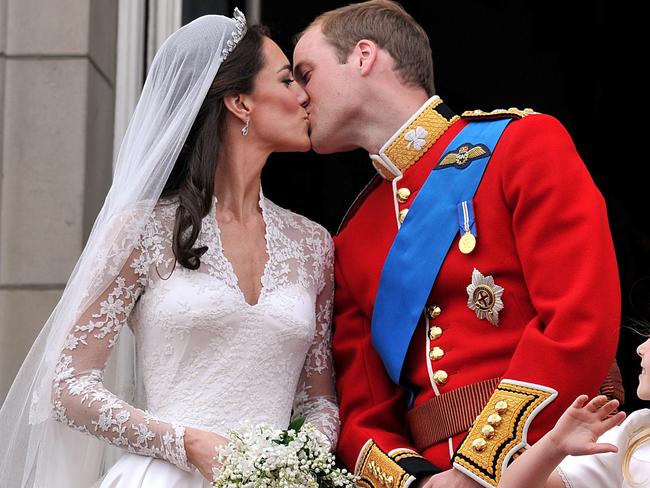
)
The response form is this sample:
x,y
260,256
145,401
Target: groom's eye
x,y
303,78
288,81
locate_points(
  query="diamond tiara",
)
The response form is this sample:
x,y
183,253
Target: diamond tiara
x,y
237,34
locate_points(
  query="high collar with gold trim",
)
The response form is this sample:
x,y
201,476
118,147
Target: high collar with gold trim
x,y
413,139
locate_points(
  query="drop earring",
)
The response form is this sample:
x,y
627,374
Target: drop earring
x,y
244,130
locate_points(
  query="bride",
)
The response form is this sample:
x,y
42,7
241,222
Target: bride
x,y
226,297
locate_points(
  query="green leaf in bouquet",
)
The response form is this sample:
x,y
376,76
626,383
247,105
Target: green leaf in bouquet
x,y
297,423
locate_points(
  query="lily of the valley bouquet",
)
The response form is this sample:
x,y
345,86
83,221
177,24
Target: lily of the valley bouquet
x,y
264,457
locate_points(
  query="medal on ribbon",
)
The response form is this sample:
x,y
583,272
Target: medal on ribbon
x,y
467,227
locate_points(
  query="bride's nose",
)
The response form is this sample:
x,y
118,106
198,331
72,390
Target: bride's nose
x,y
641,349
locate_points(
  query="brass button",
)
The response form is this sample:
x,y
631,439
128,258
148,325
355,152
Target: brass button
x,y
494,420
435,332
501,406
487,431
402,215
403,195
433,311
440,377
436,353
479,444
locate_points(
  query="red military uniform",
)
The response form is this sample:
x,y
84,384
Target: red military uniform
x,y
543,236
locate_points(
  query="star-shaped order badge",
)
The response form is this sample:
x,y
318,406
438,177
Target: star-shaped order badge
x,y
484,297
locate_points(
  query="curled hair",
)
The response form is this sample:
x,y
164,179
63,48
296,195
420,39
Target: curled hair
x,y
639,439
192,178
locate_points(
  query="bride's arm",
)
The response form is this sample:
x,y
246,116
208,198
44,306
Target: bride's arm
x,y
80,399
316,396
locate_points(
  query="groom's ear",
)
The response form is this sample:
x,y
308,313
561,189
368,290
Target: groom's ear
x,y
365,54
239,105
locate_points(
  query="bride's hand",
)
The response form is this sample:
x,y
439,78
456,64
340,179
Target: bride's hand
x,y
200,449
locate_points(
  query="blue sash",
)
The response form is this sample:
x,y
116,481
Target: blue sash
x,y
423,241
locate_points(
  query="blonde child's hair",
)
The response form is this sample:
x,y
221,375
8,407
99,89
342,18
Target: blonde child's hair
x,y
639,439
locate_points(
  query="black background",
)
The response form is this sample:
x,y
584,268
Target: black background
x,y
577,61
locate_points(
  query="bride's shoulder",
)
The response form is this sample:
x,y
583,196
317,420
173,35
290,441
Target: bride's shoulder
x,y
159,223
165,208
162,215
297,225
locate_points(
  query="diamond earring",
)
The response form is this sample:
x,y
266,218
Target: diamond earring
x,y
244,130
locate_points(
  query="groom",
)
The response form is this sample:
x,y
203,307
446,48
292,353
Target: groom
x,y
462,337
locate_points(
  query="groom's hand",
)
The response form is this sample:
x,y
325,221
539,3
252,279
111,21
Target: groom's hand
x,y
448,479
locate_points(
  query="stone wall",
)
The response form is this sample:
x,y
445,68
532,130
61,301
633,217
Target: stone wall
x,y
57,79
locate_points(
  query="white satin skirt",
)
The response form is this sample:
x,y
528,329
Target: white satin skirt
x,y
134,471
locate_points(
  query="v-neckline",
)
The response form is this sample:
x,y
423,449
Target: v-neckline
x,y
228,265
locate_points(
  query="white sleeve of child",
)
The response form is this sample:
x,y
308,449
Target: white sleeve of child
x,y
606,470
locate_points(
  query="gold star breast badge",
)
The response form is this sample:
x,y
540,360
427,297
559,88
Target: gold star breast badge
x,y
484,297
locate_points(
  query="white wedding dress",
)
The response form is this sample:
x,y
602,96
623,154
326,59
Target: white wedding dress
x,y
206,358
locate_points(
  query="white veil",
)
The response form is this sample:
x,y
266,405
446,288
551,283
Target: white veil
x,y
35,450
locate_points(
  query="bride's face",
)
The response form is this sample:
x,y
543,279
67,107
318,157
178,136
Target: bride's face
x,y
278,118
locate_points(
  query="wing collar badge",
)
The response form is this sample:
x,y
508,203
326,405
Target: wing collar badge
x,y
463,156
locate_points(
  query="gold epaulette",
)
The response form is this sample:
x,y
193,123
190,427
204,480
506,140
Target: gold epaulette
x,y
499,113
376,469
500,431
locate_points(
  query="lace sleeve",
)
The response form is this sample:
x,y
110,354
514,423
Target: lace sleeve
x,y
79,397
316,398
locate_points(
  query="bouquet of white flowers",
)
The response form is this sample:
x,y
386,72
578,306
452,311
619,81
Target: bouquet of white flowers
x,y
264,457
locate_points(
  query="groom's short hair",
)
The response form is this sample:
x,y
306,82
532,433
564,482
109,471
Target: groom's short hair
x,y
386,23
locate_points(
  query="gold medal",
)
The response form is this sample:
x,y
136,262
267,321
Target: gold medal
x,y
467,243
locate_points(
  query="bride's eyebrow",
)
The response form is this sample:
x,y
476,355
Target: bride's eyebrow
x,y
286,66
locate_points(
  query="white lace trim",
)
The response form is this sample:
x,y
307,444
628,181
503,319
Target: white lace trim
x,y
564,478
195,337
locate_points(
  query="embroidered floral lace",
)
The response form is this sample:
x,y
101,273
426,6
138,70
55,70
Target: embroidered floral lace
x,y
206,358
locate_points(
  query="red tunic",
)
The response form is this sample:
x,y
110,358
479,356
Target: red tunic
x,y
542,234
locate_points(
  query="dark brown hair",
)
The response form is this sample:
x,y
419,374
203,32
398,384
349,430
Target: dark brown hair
x,y
192,178
386,23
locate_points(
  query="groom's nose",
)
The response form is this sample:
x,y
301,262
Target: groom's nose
x,y
303,97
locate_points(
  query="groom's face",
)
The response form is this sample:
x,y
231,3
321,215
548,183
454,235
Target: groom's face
x,y
329,85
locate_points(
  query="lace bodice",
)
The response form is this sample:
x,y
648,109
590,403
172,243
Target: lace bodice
x,y
206,357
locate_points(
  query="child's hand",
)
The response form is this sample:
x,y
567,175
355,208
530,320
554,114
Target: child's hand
x,y
580,426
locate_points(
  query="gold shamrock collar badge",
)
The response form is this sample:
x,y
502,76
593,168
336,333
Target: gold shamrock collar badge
x,y
413,139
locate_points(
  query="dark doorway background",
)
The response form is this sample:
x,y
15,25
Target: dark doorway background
x,y
577,61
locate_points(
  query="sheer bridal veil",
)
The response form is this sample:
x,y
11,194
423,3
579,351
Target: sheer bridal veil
x,y
35,450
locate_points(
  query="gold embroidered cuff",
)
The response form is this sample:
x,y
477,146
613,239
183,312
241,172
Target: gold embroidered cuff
x,y
500,430
376,469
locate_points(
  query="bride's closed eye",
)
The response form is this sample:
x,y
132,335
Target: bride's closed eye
x,y
288,81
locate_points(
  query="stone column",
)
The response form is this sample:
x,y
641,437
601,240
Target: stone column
x,y
57,78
